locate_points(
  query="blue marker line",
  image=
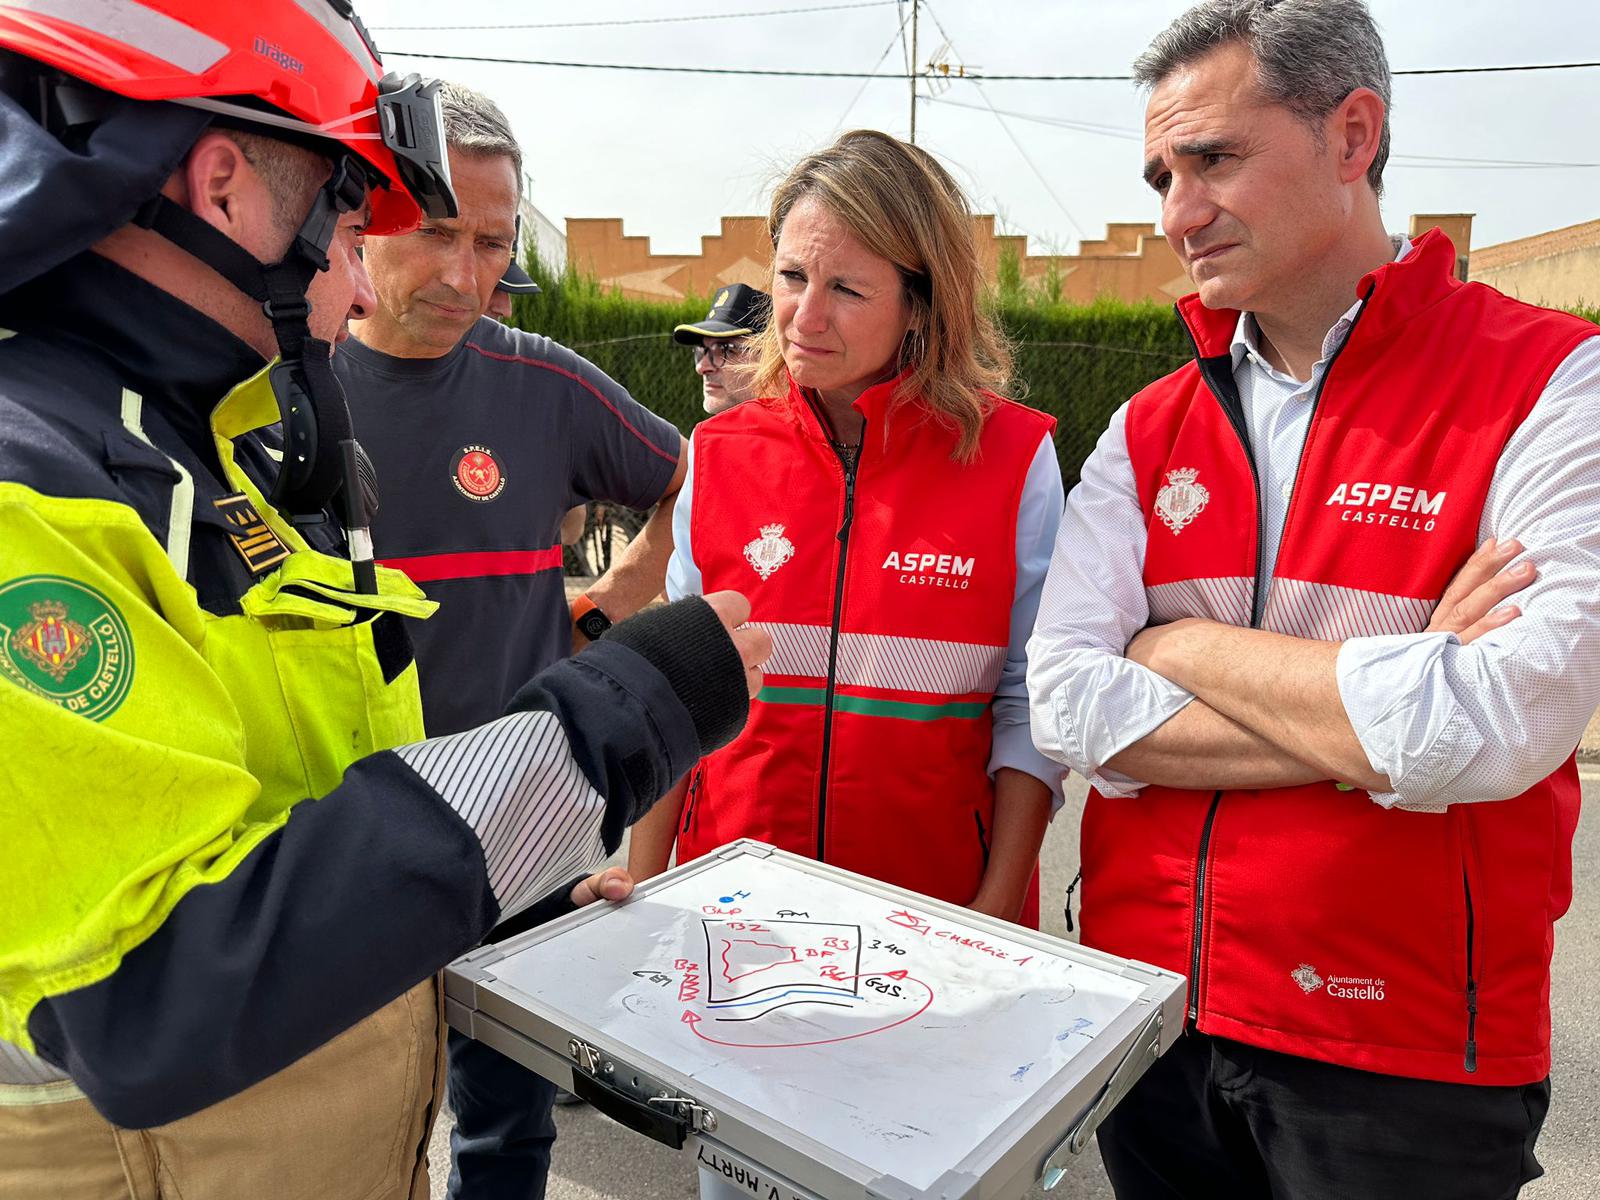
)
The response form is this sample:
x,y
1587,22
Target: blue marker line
x,y
779,996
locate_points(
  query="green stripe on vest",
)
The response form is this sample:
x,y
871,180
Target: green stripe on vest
x,y
904,710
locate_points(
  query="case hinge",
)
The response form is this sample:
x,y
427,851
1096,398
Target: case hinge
x,y
1143,1052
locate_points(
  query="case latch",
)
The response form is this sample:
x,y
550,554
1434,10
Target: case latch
x,y
585,1055
700,1118
665,1117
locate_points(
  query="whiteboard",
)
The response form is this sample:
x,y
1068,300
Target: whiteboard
x,y
900,1037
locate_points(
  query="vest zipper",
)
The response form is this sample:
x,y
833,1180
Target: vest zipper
x,y
833,639
1217,374
1066,906
694,796
1470,1061
1199,910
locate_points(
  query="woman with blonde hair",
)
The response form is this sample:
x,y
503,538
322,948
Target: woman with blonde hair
x,y
890,515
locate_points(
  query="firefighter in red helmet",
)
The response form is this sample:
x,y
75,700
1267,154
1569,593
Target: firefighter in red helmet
x,y
234,863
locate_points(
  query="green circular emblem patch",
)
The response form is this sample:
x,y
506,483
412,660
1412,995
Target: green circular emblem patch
x,y
65,641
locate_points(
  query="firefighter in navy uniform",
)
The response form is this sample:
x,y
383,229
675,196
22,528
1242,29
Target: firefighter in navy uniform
x,y
234,865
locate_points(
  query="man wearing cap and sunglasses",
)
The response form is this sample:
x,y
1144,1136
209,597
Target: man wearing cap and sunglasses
x,y
722,341
233,862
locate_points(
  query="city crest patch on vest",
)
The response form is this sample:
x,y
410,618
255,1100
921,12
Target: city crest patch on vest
x,y
769,551
63,640
1306,976
476,473
1182,500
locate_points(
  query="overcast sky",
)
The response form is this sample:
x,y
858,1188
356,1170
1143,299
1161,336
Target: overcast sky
x,y
671,154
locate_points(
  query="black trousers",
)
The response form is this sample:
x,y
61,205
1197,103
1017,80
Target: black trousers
x,y
1215,1118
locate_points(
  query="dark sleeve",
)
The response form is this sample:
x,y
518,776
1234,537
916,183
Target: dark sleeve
x,y
621,450
370,889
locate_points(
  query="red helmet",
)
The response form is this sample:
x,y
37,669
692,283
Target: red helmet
x,y
306,67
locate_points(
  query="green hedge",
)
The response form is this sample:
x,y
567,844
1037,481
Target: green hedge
x,y
1076,362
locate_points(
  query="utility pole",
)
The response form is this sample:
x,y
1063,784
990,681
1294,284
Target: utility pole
x,y
915,70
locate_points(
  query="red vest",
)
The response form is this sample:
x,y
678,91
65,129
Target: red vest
x,y
889,599
1311,920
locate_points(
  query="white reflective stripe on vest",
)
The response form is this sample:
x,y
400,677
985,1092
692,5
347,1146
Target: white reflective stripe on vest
x,y
1321,611
1225,599
1328,613
904,664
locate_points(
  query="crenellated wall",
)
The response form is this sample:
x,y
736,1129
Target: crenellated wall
x,y
1131,262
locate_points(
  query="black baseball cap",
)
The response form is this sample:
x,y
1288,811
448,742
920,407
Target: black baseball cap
x,y
738,310
516,281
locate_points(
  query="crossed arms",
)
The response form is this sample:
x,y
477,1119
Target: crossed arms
x,y
1479,706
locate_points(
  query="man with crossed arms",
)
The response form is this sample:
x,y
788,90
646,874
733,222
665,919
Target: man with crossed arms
x,y
1333,783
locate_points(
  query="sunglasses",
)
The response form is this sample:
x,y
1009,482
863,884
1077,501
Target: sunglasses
x,y
720,353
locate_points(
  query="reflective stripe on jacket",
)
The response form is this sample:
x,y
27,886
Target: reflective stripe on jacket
x,y
1311,920
173,739
887,588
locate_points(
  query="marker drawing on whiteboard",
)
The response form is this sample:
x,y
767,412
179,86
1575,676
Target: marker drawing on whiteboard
x,y
910,921
776,982
693,1019
901,1038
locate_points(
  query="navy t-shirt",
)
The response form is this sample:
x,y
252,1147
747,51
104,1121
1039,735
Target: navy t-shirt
x,y
479,455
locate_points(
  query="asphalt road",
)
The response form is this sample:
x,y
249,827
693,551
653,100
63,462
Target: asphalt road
x,y
596,1159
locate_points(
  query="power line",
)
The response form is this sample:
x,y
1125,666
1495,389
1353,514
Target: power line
x,y
969,75
899,35
1032,166
1456,160
1414,161
1468,165
1115,131
1010,133
716,16
589,66
1566,66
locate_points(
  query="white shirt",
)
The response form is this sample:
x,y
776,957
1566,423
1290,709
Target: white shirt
x,y
1446,723
1038,518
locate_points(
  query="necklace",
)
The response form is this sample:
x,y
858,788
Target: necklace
x,y
846,450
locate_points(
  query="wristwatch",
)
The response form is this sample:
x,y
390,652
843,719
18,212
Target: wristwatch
x,y
591,622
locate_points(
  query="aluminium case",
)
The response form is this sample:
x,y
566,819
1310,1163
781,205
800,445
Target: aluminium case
x,y
772,1161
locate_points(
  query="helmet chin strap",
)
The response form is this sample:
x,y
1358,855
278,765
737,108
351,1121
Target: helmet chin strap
x,y
321,458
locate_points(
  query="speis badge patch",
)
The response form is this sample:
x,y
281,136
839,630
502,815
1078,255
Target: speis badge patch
x,y
476,473
63,640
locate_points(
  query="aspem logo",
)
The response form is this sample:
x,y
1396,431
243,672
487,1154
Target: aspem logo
x,y
1395,505
931,570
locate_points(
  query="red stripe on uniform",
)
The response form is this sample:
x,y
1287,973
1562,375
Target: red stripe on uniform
x,y
583,383
425,568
